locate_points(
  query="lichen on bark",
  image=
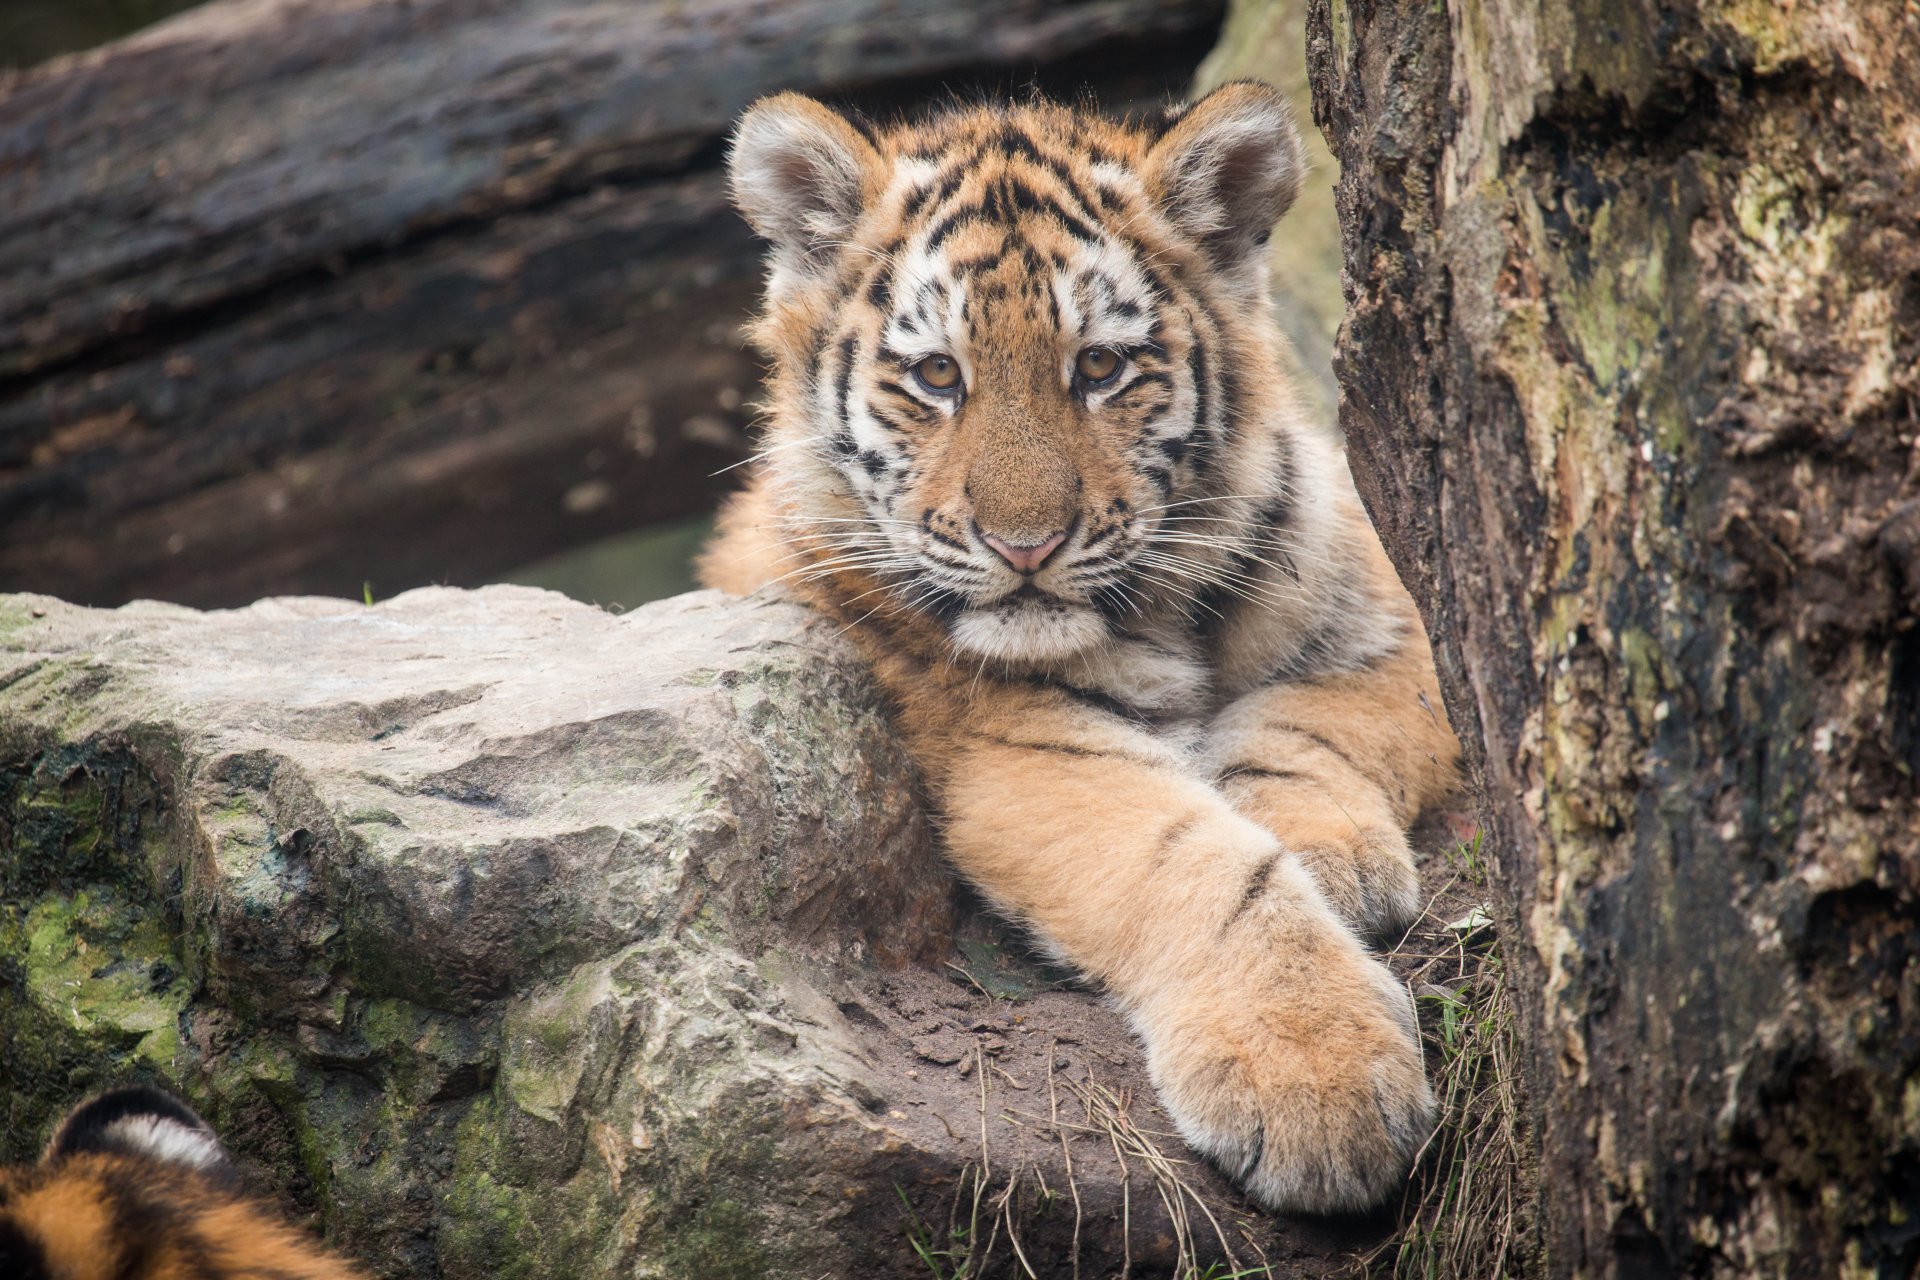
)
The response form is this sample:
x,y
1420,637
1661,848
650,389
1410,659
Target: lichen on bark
x,y
1632,379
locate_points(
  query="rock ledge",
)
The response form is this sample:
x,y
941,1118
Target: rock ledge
x,y
509,937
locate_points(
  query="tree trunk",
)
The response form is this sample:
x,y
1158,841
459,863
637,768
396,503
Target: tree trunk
x,y
1631,377
297,293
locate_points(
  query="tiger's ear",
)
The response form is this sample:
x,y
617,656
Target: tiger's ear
x,y
1228,167
801,175
144,1123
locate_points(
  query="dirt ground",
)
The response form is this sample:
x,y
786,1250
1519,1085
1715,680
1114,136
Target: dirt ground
x,y
1071,1168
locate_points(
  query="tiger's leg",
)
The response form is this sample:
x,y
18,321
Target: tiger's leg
x,y
1278,1045
1337,767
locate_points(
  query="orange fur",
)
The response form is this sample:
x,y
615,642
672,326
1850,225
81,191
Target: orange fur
x,y
114,1210
1183,749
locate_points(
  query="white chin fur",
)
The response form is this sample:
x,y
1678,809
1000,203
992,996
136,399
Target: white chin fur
x,y
1029,630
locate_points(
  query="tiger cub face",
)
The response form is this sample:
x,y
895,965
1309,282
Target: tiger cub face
x,y
1017,348
134,1186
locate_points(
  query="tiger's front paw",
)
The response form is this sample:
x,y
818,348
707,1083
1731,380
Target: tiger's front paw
x,y
1369,878
1302,1079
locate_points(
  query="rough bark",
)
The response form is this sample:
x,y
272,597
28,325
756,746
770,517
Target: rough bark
x,y
299,293
1632,381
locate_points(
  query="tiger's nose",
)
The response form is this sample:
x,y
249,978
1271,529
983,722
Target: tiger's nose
x,y
1026,559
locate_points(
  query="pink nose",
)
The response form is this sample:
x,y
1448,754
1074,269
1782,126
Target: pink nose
x,y
1025,559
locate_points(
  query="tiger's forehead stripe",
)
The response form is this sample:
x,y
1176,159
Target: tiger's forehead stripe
x,y
971,196
994,169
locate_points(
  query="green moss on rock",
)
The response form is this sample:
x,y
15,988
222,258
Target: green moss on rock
x,y
92,982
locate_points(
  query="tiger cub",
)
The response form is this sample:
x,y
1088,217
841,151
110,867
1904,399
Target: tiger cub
x,y
134,1186
1031,442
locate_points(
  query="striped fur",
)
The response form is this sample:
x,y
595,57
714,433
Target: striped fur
x,y
1184,749
134,1186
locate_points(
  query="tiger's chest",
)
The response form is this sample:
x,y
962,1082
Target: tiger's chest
x,y
1161,680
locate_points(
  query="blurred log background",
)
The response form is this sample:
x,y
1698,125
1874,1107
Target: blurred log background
x,y
297,295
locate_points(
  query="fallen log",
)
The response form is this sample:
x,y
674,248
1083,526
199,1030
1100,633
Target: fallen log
x,y
296,294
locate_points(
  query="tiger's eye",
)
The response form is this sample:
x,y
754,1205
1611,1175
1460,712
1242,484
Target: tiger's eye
x,y
939,374
1097,365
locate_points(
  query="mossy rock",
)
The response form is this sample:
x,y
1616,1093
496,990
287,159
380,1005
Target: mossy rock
x,y
433,906
502,936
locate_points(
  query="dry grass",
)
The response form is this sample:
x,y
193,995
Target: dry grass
x,y
983,1224
1465,1212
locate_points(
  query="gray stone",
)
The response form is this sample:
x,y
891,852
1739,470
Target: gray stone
x,y
495,846
509,937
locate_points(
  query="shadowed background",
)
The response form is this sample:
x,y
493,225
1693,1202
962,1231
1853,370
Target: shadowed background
x,y
338,297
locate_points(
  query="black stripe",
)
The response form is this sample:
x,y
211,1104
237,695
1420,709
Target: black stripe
x,y
1086,142
1146,434
1256,885
1069,749
1163,292
21,1256
1262,773
145,1212
1325,745
1197,367
1025,198
935,194
1216,599
1156,123
949,224
916,200
985,262
1016,145
1278,511
1172,836
908,401
894,389
1273,512
1230,405
1118,399
1113,603
1078,229
1098,699
843,380
943,604
950,562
